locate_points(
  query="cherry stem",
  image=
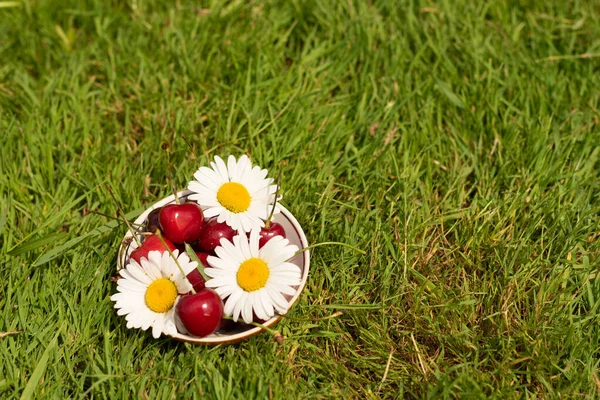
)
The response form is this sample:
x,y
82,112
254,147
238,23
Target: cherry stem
x,y
312,246
263,327
194,257
122,214
159,236
268,223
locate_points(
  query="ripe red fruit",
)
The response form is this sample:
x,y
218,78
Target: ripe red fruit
x,y
181,222
151,242
152,223
200,313
195,277
203,258
212,233
267,234
196,280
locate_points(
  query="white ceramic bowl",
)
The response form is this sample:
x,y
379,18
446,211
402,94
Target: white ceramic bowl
x,y
294,234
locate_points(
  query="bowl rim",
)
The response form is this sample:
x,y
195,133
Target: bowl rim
x,y
216,339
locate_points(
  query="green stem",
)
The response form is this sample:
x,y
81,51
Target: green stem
x,y
276,334
261,326
194,257
122,214
174,258
268,223
188,143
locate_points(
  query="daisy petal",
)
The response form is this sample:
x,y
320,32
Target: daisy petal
x,y
221,169
157,327
232,167
247,309
208,182
213,211
231,302
132,291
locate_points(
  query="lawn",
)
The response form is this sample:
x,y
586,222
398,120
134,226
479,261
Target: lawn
x,y
456,142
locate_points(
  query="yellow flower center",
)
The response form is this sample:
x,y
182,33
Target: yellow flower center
x,y
161,295
234,197
252,274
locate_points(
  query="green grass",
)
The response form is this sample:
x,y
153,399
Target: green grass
x,y
457,142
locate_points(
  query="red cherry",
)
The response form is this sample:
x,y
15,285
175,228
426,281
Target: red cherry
x,y
152,223
181,222
269,233
204,258
212,233
196,280
151,242
200,313
195,277
180,247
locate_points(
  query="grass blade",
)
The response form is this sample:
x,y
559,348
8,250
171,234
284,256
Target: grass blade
x,y
39,370
55,217
59,250
9,4
34,244
454,99
352,306
3,221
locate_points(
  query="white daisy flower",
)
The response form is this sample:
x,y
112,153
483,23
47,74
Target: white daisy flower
x,y
253,279
237,193
147,293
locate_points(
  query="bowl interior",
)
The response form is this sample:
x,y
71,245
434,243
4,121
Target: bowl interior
x,y
294,234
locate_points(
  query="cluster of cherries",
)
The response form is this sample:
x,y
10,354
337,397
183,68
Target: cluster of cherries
x,y
174,225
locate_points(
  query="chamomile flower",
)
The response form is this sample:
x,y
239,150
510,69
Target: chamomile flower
x,y
253,280
147,293
236,192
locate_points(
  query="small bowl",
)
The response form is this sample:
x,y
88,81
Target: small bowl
x,y
294,234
